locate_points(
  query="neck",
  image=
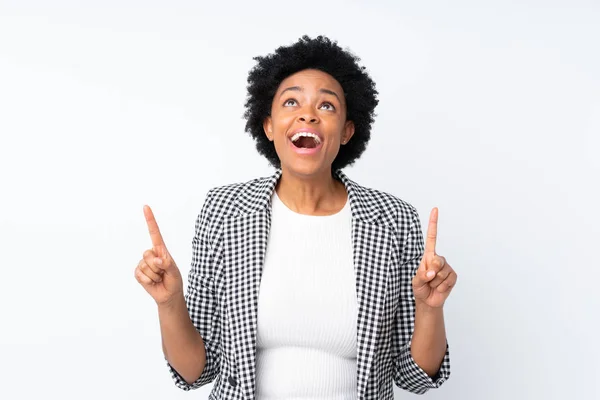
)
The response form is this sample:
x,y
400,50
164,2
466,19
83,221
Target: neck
x,y
319,194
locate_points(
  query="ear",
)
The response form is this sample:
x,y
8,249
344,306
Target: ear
x,y
348,132
268,127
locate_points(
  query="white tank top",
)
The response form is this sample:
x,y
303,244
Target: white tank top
x,y
307,308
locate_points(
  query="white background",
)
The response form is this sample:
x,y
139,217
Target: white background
x,y
488,110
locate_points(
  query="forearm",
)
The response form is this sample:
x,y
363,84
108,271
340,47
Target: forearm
x,y
428,346
182,344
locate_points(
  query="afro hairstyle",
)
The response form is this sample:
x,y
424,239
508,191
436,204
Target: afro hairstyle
x,y
325,55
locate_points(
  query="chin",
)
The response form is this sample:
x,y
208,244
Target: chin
x,y
305,168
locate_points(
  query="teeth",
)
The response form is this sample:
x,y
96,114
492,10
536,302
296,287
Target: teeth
x,y
306,134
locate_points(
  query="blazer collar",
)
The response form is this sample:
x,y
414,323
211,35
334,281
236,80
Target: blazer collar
x,y
260,198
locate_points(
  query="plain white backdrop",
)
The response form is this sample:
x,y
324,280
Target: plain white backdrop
x,y
489,110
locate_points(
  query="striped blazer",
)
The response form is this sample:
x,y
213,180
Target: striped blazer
x,y
229,248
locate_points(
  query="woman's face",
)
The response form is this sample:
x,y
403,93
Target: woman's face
x,y
308,122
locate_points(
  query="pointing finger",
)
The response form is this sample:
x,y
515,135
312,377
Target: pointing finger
x,y
155,236
432,231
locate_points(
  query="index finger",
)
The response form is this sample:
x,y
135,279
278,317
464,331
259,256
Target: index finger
x,y
432,231
157,239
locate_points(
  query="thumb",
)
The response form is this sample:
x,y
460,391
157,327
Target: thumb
x,y
423,276
166,263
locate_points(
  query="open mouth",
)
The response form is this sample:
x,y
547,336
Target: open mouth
x,y
305,140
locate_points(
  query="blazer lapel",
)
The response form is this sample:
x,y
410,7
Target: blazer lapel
x,y
245,237
372,242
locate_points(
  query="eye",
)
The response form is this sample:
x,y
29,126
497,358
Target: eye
x,y
286,103
331,107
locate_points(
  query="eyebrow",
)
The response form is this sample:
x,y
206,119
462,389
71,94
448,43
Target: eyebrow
x,y
299,89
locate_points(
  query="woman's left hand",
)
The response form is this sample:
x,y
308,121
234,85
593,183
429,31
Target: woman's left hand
x,y
435,278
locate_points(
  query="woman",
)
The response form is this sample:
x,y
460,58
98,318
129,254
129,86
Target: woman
x,y
350,297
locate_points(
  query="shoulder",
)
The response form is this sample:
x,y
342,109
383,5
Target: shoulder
x,y
392,208
229,192
229,198
388,199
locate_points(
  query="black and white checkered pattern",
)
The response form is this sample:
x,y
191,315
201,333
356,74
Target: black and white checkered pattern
x,y
222,296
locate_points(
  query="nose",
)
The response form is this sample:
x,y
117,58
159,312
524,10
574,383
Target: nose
x,y
308,116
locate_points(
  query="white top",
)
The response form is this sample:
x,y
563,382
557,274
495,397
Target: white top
x,y
307,308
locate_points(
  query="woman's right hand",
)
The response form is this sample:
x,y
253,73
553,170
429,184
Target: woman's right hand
x,y
157,272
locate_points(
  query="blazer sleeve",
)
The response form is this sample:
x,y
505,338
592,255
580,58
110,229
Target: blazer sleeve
x,y
201,300
407,373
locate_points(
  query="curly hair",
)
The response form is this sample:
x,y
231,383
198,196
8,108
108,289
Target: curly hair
x,y
322,54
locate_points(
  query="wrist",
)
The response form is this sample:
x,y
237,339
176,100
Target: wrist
x,y
423,308
174,303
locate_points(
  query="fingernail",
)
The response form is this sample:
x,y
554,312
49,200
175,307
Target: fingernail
x,y
430,274
158,261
